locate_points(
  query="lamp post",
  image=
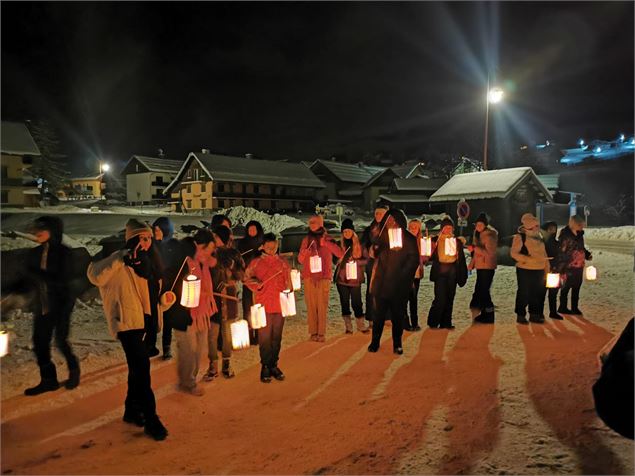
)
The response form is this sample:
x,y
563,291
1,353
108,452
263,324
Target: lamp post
x,y
494,96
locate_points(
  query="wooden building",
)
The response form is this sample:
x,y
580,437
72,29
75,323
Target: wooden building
x,y
18,149
412,194
147,178
92,186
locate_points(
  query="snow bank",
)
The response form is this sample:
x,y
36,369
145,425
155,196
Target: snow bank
x,y
275,224
621,233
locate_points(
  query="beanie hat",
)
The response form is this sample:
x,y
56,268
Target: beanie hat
x,y
54,225
166,226
135,227
529,221
483,218
347,224
447,221
269,237
223,233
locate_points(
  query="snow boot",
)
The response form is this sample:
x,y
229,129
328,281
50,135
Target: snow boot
x,y
520,319
556,316
73,379
212,372
485,317
48,381
154,428
228,372
134,417
348,324
167,353
536,318
265,374
277,374
361,325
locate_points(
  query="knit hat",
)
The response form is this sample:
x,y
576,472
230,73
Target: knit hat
x,y
267,237
135,227
347,224
529,221
223,233
53,224
166,226
447,221
483,218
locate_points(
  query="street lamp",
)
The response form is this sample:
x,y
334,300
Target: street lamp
x,y
494,96
103,167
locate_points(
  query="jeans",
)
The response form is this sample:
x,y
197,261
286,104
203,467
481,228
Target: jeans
x,y
140,396
350,295
270,340
190,343
212,340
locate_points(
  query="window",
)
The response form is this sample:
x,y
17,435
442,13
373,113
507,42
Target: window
x,y
221,204
189,173
256,189
203,203
221,187
89,188
159,180
5,172
4,196
195,174
188,189
136,167
188,203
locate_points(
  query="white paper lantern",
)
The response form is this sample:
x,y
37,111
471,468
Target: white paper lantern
x,y
315,264
240,334
591,273
450,246
351,270
4,343
426,246
553,280
191,291
394,238
287,303
296,280
258,316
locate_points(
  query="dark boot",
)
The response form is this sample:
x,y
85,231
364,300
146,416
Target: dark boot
x,y
154,428
520,319
277,373
373,347
167,353
485,317
73,379
556,316
48,381
536,318
265,374
227,370
134,417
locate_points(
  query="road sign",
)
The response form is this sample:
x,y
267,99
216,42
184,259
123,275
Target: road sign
x,y
462,222
462,209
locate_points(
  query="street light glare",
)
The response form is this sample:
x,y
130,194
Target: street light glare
x,y
495,95
105,167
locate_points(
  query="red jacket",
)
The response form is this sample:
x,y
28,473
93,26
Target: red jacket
x,y
259,271
326,252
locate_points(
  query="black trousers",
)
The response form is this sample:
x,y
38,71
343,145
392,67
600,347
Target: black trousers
x,y
553,300
166,336
151,331
572,282
350,295
531,291
413,296
140,396
443,304
482,299
44,326
396,308
369,298
270,340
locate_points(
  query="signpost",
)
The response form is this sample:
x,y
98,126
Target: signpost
x,y
462,213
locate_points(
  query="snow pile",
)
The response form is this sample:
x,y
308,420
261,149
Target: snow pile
x,y
275,224
621,233
48,210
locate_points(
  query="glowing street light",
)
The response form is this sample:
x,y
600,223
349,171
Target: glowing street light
x,y
581,142
103,167
494,96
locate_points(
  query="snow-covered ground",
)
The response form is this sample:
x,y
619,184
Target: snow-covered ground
x,y
623,233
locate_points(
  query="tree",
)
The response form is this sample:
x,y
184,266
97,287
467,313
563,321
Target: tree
x,y
50,166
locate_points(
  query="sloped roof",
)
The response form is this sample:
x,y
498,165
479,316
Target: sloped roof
x,y
377,175
89,177
355,173
488,184
404,198
15,139
550,181
155,164
418,184
227,168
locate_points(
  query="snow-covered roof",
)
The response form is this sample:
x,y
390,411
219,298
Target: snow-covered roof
x,y
15,139
355,173
379,174
403,198
155,164
550,181
89,177
489,184
418,184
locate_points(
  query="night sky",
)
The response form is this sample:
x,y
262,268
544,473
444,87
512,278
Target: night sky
x,y
301,81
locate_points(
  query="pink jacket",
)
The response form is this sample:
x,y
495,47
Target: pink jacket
x,y
309,248
259,271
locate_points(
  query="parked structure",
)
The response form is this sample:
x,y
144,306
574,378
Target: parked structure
x,y
17,152
147,178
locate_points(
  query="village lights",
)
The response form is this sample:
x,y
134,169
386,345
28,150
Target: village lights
x,y
296,280
240,334
351,270
258,316
287,303
591,273
622,137
598,149
395,238
581,142
553,280
191,292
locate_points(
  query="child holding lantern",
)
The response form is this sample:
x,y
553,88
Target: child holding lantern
x,y
349,276
268,276
316,256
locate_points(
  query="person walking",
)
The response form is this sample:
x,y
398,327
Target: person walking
x,y
555,266
483,249
317,283
369,239
250,249
573,255
49,267
411,322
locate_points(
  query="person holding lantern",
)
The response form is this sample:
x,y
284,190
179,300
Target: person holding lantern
x,y
130,293
573,254
411,323
553,253
448,270
396,261
267,276
349,276
250,249
316,256
532,262
483,249
369,238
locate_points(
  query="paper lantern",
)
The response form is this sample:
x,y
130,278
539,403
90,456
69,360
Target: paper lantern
x,y
426,246
191,291
553,280
591,273
450,246
240,334
296,280
315,265
394,238
351,270
4,343
258,316
287,303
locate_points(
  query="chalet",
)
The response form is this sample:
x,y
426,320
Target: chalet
x,y
209,181
92,186
412,194
18,149
147,178
378,184
414,169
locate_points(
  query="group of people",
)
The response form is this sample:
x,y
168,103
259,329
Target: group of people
x,y
141,289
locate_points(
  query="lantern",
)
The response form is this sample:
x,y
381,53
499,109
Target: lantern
x,y
191,291
240,334
591,273
426,246
553,280
394,238
315,264
296,281
351,270
450,246
4,343
258,316
287,303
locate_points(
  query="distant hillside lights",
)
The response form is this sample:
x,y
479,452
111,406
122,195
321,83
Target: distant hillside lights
x,y
598,150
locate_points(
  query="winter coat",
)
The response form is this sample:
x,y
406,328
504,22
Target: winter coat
x,y
259,271
311,247
440,268
553,251
249,247
369,239
572,250
485,244
125,294
52,285
228,272
535,257
340,268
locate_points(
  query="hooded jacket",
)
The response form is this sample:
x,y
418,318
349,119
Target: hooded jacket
x,y
485,244
537,258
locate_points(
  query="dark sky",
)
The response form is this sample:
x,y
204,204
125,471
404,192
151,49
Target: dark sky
x,y
309,80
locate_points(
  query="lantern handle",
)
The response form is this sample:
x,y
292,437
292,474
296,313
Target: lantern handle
x,y
178,274
271,277
339,262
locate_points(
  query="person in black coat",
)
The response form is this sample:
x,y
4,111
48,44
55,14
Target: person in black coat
x,y
448,271
49,269
369,237
553,252
391,279
249,248
573,255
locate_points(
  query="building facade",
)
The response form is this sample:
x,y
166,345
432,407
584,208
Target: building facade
x,y
18,149
147,178
89,187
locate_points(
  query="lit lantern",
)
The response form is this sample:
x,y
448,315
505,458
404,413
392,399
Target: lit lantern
x,y
296,279
315,264
258,316
191,291
426,246
394,238
450,246
591,273
240,334
351,270
553,280
287,303
4,343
